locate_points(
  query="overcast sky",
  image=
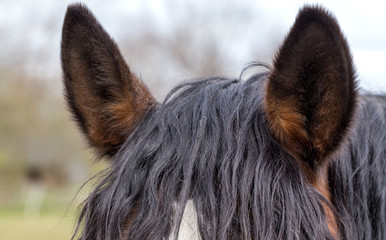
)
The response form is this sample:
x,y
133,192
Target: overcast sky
x,y
24,26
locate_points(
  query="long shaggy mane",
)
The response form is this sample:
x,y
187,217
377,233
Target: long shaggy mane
x,y
209,142
358,174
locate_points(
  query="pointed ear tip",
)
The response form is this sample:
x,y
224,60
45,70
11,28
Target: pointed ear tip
x,y
76,13
316,13
77,9
315,10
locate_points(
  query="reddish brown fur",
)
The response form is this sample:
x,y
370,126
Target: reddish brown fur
x,y
129,221
287,124
320,183
107,100
311,95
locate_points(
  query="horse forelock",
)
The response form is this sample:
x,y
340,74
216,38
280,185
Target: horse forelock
x,y
208,143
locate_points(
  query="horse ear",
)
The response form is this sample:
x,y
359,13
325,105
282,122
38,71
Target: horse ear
x,y
106,99
311,91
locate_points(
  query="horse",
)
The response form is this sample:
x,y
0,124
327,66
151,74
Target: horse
x,y
294,152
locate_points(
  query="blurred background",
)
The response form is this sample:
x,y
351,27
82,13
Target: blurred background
x,y
43,158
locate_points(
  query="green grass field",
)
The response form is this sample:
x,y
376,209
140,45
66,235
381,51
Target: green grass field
x,y
45,227
55,218
40,211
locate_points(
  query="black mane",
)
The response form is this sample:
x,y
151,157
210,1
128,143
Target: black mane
x,y
358,174
222,163
293,153
208,143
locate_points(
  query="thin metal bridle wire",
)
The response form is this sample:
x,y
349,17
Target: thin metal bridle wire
x,y
255,64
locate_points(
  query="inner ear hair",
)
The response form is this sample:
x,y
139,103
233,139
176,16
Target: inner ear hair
x,y
311,92
106,99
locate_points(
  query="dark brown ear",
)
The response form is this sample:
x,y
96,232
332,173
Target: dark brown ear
x,y
106,99
311,92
